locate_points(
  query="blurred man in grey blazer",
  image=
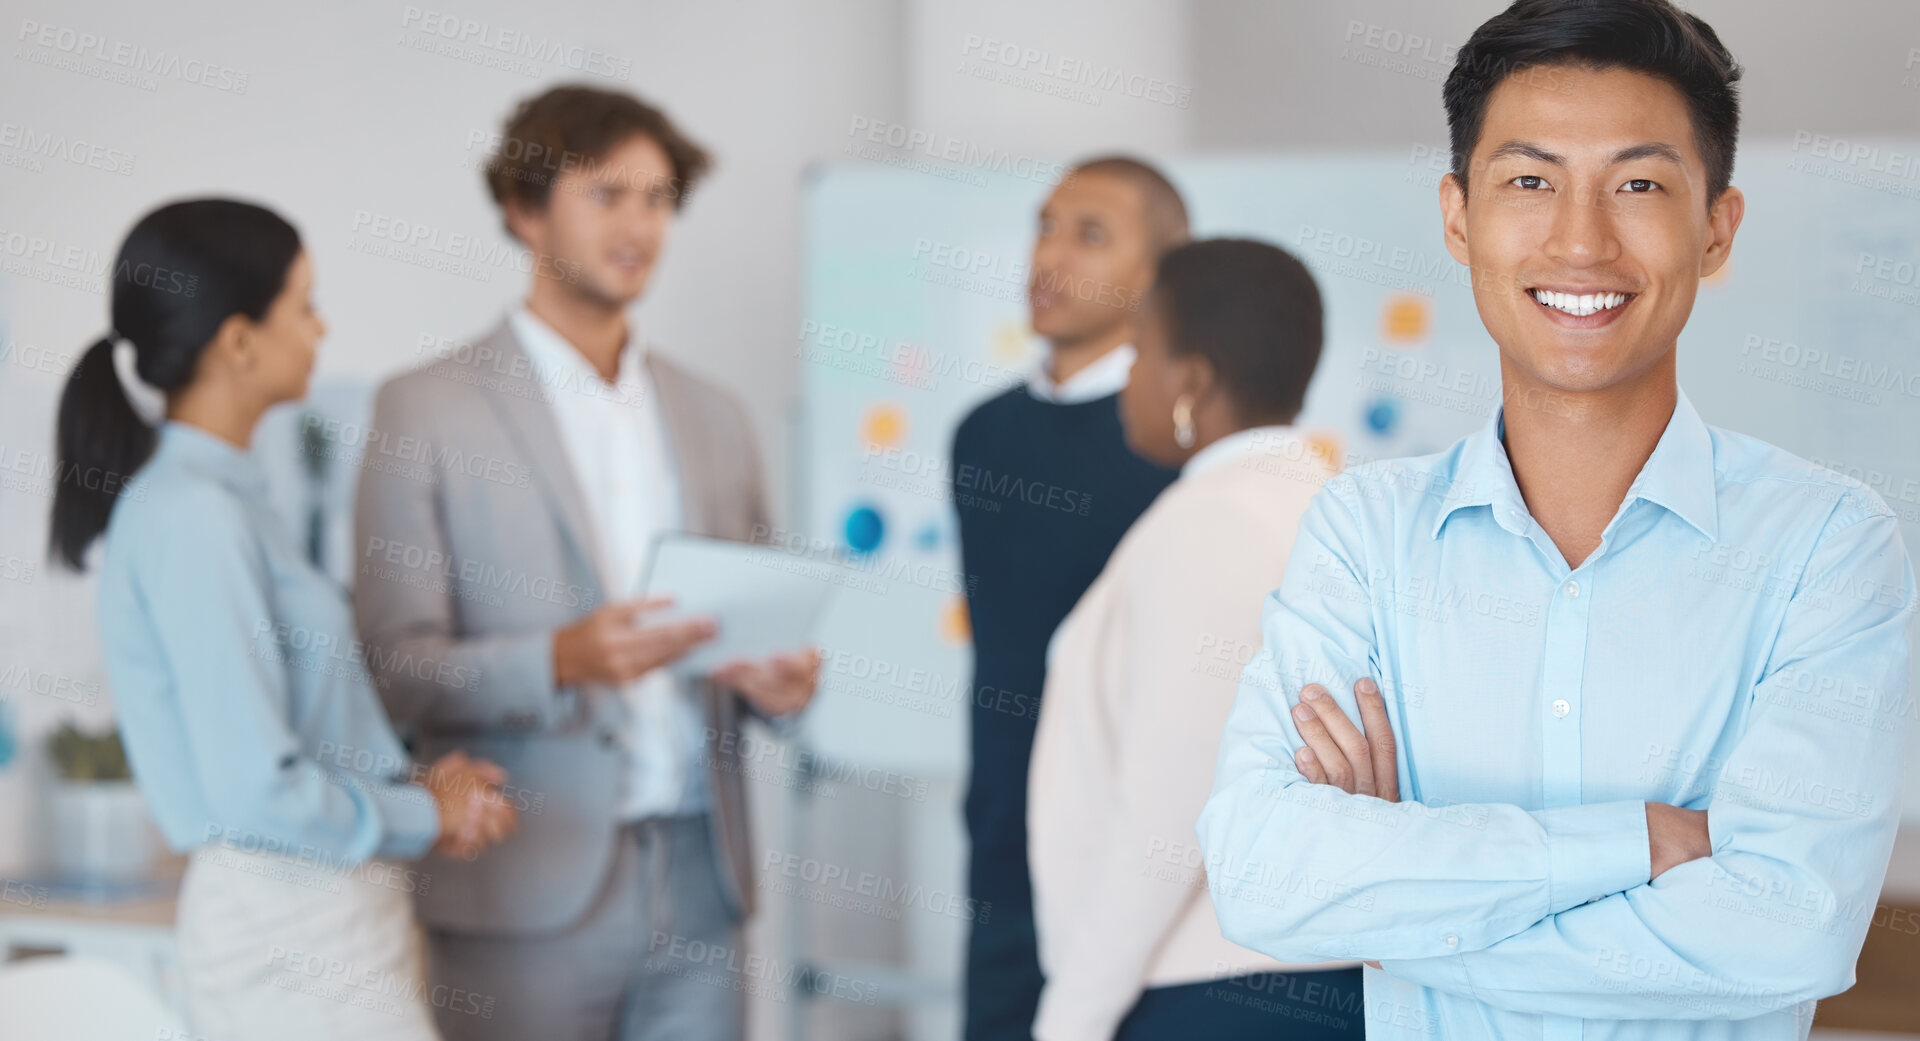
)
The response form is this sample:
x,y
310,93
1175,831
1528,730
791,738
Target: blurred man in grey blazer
x,y
510,493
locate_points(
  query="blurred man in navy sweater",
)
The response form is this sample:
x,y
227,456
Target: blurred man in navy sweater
x,y
1045,486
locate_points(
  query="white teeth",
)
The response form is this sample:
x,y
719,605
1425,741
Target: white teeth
x,y
1579,305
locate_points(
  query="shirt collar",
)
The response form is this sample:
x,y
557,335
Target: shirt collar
x,y
212,455
1107,375
1678,475
1253,441
558,363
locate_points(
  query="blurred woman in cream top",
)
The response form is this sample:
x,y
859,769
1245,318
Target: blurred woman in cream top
x,y
1141,675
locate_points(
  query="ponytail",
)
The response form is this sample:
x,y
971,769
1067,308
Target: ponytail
x,y
102,441
227,257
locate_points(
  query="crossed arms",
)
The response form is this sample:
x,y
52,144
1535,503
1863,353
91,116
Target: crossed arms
x,y
1559,910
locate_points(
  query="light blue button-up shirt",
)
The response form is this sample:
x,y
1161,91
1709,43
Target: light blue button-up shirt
x,y
244,700
1738,643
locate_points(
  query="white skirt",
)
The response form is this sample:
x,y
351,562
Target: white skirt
x,y
274,948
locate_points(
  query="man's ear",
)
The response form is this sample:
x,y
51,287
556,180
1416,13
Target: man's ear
x,y
526,224
1723,219
1453,217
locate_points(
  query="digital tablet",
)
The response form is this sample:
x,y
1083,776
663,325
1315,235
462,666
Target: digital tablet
x,y
764,600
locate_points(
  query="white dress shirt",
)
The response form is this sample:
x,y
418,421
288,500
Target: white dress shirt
x,y
617,444
1107,375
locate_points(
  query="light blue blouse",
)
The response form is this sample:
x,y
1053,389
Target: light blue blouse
x,y
245,703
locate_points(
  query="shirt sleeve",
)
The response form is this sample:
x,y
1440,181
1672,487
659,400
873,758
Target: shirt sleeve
x,y
1802,820
207,592
1305,872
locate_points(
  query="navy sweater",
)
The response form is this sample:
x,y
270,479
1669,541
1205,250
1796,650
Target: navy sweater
x,y
1044,491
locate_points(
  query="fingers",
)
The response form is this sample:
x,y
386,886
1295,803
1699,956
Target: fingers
x,y
669,641
494,819
1333,761
778,686
1380,740
1348,742
487,770
1309,766
634,651
629,611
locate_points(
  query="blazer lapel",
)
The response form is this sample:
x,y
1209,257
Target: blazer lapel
x,y
528,417
684,442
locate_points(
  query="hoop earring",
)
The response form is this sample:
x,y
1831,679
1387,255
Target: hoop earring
x,y
1183,421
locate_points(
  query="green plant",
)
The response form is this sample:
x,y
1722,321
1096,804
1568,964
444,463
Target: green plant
x,y
81,756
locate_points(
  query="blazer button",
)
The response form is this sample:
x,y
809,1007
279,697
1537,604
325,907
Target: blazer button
x,y
606,739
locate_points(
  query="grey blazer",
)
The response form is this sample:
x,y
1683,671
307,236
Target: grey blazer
x,y
474,546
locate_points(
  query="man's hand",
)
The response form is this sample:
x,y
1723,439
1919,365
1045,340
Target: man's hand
x,y
611,646
1354,762
1675,836
779,686
473,815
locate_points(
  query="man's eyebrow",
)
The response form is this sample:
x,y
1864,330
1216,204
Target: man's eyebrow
x,y
1527,150
1650,150
1524,150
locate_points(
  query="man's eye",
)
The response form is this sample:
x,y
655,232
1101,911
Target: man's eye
x,y
1529,182
1640,185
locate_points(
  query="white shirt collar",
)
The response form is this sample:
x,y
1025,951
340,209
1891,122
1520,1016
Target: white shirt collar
x,y
1107,375
558,363
1283,441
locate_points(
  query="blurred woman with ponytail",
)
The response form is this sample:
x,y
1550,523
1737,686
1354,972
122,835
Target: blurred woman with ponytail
x,y
245,706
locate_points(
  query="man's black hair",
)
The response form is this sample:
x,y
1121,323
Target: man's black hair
x,y
1649,36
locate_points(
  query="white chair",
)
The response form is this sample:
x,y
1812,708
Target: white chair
x,y
81,999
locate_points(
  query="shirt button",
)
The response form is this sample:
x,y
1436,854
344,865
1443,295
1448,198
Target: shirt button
x,y
1452,940
1572,589
1561,708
